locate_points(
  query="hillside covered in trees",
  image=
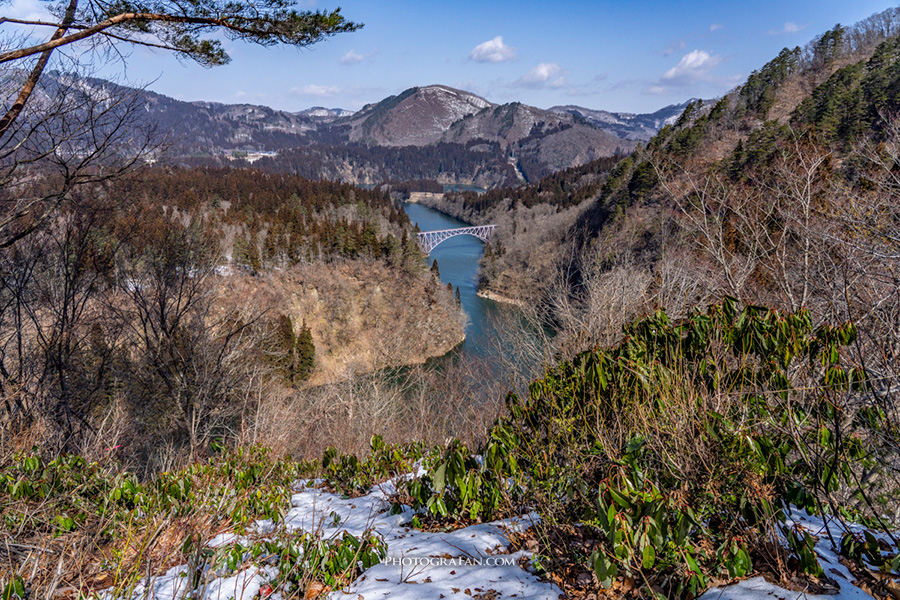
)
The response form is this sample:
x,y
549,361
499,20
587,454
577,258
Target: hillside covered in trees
x,y
826,110
486,165
178,296
266,220
718,416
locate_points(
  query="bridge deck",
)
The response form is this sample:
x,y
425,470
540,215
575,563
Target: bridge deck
x,y
429,240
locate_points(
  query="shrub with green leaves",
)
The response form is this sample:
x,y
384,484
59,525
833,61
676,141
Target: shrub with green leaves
x,y
304,558
349,475
106,511
249,486
462,487
657,537
681,448
689,439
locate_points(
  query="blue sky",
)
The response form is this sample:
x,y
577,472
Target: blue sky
x,y
632,56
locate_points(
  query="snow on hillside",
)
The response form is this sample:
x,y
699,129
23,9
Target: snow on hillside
x,y
459,565
757,588
462,103
320,112
418,116
627,125
473,561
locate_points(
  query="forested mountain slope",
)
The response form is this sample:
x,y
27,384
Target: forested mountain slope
x,y
737,197
178,296
338,260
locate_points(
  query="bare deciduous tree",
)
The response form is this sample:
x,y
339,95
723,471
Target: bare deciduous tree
x,y
729,228
192,361
58,339
69,132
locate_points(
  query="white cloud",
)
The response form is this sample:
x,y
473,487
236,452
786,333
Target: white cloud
x,y
544,75
494,51
316,91
352,58
27,10
715,27
788,27
693,66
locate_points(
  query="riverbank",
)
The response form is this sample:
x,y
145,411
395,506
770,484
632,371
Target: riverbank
x,y
458,260
423,197
500,298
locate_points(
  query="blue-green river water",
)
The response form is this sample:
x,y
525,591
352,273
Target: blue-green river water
x,y
457,260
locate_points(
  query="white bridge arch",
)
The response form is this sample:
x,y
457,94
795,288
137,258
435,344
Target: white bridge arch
x,y
428,240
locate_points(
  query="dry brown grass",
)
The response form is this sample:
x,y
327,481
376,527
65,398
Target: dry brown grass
x,y
404,405
101,553
113,546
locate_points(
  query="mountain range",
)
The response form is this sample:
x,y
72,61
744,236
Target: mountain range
x,y
452,136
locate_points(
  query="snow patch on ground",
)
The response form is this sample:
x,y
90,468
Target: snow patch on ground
x,y
419,565
758,588
458,565
451,583
242,585
478,556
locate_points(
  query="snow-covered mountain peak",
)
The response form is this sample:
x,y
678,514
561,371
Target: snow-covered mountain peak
x,y
450,95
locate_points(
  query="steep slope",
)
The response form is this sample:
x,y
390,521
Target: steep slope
x,y
342,261
566,147
829,98
732,197
542,141
507,124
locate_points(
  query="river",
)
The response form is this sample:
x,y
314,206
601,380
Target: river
x,y
501,346
457,260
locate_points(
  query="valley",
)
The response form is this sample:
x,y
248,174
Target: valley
x,y
230,371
